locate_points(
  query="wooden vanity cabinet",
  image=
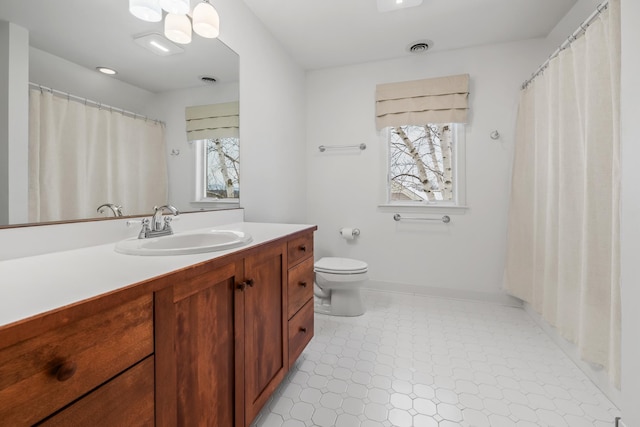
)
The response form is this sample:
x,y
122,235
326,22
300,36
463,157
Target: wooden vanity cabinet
x,y
221,340
265,326
58,364
126,400
300,295
206,345
197,345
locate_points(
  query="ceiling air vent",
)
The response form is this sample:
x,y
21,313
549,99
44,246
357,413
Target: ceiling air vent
x,y
420,46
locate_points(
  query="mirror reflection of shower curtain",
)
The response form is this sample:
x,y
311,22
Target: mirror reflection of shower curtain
x,y
563,240
81,156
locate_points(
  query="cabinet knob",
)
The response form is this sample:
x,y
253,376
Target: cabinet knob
x,y
65,371
303,248
241,286
249,283
303,330
303,284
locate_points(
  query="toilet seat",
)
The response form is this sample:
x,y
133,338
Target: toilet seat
x,y
335,265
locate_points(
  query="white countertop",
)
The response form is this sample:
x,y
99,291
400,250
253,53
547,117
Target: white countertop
x,y
37,284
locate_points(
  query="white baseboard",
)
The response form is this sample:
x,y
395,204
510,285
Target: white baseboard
x,y
492,297
597,375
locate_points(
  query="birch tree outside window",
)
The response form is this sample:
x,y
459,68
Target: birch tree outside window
x,y
214,130
222,168
422,163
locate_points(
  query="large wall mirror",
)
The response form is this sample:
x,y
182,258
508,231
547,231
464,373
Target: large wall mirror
x,y
53,48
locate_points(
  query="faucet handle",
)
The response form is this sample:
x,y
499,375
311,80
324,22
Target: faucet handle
x,y
167,224
144,232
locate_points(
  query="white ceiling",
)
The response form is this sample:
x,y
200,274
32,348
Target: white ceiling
x,y
95,33
327,33
317,33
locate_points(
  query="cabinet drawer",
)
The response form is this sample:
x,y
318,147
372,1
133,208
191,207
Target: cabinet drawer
x,y
126,400
300,248
300,331
42,374
300,286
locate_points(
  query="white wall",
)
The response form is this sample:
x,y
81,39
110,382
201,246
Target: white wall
x,y
570,22
344,186
272,120
630,218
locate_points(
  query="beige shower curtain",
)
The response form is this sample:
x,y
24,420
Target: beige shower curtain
x,y
563,238
81,156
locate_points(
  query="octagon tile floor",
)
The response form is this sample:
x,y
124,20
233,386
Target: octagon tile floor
x,y
419,361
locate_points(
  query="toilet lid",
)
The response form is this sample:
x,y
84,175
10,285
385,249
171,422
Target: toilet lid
x,y
342,265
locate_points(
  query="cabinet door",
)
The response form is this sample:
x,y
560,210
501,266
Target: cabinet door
x,y
196,351
266,357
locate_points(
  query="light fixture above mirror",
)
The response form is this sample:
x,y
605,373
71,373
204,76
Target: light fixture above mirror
x,y
177,24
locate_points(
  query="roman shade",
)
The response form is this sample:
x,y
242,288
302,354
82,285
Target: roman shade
x,y
213,121
418,102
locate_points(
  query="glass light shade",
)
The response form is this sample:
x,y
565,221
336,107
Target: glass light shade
x,y
147,10
206,22
177,28
179,7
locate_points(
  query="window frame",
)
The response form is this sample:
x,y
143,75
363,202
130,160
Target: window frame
x,y
459,174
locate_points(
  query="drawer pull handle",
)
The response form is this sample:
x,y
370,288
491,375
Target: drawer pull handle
x,y
303,284
65,371
303,330
303,248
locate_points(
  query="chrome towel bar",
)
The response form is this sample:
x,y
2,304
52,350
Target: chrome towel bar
x,y
397,217
324,148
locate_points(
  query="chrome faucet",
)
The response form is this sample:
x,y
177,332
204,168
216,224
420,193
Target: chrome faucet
x,y
116,209
158,225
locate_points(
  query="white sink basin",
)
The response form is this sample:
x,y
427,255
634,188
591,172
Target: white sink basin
x,y
184,243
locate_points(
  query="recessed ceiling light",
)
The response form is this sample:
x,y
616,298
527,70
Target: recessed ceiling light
x,y
391,5
106,70
157,44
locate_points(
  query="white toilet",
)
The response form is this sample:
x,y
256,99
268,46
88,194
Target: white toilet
x,y
337,287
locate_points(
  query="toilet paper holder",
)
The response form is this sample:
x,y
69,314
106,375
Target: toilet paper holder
x,y
355,232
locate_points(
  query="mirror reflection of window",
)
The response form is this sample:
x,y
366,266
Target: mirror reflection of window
x,y
222,168
214,130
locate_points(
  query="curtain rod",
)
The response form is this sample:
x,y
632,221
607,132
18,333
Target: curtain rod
x,y
577,33
100,105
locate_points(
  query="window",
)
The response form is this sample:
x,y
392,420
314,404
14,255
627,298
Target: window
x,y
425,162
425,165
218,171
